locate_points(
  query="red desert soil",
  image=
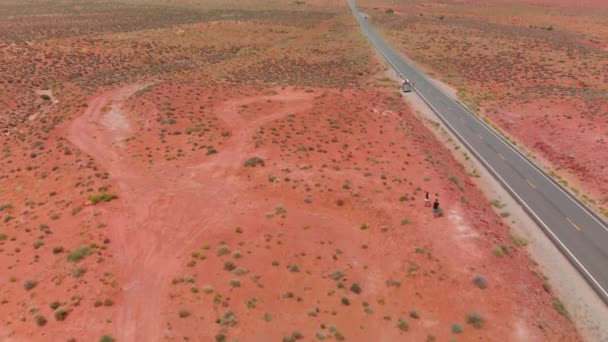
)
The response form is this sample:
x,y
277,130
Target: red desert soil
x,y
204,174
205,245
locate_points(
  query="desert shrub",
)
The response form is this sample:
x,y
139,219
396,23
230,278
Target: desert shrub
x,y
293,268
45,97
337,334
403,325
101,197
519,240
229,265
480,281
280,210
267,316
414,314
60,313
345,301
29,284
254,161
106,338
456,328
54,305
239,271
183,313
296,335
77,271
222,250
389,11
356,288
79,253
393,283
40,320
559,306
227,319
57,249
475,319
336,275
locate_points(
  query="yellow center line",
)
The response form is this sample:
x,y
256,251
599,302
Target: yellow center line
x,y
501,157
532,185
572,223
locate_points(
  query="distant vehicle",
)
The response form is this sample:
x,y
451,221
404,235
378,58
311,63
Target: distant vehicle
x,y
406,86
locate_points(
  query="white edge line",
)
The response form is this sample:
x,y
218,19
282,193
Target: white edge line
x,y
547,229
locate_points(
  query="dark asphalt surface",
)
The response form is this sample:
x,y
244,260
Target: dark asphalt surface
x,y
580,234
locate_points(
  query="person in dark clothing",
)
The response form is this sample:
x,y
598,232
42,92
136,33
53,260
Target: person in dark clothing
x,y
426,199
436,207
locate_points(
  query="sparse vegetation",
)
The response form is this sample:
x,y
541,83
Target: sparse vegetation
x,y
480,281
40,320
60,314
559,307
29,284
254,161
102,197
403,324
456,328
79,254
106,338
475,319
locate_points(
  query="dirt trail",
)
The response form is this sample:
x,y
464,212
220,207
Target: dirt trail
x,y
164,207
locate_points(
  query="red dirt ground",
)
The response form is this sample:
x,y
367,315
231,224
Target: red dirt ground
x,y
328,236
341,159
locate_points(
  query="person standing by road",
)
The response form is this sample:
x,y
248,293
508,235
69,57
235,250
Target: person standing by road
x,y
436,207
426,199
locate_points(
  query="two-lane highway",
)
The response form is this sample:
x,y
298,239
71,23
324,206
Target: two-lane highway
x,y
580,234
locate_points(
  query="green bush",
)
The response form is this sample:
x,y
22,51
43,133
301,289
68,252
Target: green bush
x,y
403,325
253,162
79,253
40,320
101,197
60,314
456,328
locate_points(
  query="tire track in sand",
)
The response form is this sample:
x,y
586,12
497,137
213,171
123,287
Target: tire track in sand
x,y
163,209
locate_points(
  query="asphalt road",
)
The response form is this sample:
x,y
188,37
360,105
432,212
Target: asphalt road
x,y
580,234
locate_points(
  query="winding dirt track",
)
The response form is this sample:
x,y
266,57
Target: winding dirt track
x,y
164,207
